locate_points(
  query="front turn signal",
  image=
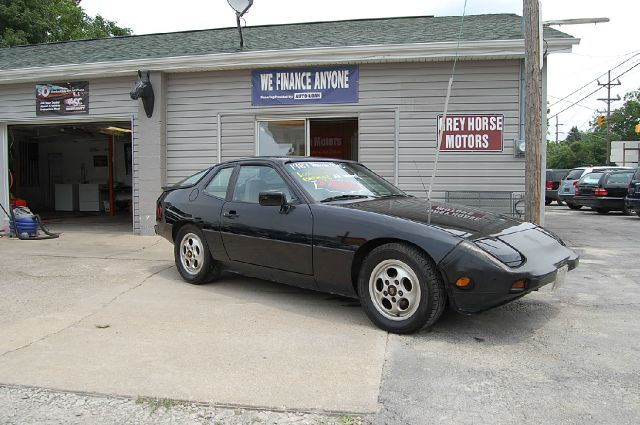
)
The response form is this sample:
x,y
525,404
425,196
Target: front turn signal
x,y
519,285
463,282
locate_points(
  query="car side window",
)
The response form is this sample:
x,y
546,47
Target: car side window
x,y
218,185
253,179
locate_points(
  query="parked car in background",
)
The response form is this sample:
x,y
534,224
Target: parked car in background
x,y
335,226
603,191
632,201
567,188
554,177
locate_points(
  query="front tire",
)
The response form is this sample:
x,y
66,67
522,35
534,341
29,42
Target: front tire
x,y
602,211
400,288
192,256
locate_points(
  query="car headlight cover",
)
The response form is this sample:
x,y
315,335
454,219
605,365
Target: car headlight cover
x,y
502,251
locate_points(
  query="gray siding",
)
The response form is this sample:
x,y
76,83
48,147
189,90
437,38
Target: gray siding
x,y
417,89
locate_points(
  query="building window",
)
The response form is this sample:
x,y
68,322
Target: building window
x,y
282,138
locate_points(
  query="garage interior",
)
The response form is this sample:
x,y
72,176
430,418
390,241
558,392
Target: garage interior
x,y
73,173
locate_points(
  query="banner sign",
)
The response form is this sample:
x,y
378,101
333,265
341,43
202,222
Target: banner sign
x,y
304,86
62,98
472,133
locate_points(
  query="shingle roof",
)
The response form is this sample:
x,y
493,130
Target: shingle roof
x,y
407,30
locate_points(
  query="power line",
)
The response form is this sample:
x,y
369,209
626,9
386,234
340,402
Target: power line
x,y
577,104
594,80
580,100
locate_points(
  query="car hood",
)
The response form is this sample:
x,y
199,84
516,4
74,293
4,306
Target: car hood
x,y
459,220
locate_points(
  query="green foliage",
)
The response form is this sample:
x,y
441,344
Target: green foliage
x,y
42,21
590,147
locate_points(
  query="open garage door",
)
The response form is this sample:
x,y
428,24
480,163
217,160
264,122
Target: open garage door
x,y
73,174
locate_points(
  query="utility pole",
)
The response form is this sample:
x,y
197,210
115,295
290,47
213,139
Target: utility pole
x,y
533,111
557,125
609,99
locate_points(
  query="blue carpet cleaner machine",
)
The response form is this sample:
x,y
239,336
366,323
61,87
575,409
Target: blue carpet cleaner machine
x,y
26,225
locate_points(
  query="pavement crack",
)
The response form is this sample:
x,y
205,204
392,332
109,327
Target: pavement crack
x,y
93,313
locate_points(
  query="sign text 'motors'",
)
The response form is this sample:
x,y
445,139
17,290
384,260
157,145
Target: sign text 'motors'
x,y
472,133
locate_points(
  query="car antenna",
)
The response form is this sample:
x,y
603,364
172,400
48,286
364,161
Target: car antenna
x,y
440,126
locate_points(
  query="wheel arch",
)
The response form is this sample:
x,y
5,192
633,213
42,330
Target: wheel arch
x,y
369,246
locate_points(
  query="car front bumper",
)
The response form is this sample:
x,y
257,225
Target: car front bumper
x,y
492,280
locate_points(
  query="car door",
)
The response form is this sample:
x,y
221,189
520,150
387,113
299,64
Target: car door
x,y
268,236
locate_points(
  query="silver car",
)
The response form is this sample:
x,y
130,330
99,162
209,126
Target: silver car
x,y
567,189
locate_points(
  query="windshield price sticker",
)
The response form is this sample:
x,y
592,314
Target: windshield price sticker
x,y
472,133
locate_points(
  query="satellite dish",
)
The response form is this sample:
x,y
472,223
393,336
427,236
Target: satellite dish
x,y
240,6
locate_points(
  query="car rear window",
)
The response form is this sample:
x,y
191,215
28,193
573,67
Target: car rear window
x,y
193,179
574,174
591,178
619,178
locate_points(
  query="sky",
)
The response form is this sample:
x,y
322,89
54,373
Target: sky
x,y
602,46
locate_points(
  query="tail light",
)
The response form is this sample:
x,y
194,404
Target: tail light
x,y
577,191
575,183
600,192
549,184
159,212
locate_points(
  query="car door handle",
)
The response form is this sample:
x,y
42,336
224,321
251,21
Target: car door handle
x,y
230,214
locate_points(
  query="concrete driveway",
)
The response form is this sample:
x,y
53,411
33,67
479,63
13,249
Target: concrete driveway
x,y
107,313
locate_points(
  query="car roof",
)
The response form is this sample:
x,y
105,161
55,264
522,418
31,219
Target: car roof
x,y
286,159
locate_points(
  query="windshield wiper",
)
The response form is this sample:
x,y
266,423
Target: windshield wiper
x,y
393,195
344,197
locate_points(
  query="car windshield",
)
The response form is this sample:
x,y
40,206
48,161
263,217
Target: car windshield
x,y
193,179
328,181
591,178
574,174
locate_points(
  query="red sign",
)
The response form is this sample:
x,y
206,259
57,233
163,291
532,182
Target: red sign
x,y
472,133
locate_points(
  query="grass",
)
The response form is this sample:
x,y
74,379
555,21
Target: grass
x,y
153,404
350,420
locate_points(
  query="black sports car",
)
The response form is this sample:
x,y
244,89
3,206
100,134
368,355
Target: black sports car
x,y
335,226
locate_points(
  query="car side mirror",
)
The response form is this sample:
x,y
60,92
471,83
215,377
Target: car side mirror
x,y
272,199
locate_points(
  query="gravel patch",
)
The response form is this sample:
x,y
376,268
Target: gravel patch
x,y
25,405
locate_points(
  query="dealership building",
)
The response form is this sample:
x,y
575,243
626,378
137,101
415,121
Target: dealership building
x,y
74,142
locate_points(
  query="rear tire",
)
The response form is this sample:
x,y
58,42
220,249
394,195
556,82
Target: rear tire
x,y
573,206
638,213
400,289
192,256
559,201
547,201
602,210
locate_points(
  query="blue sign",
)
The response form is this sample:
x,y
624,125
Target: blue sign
x,y
304,86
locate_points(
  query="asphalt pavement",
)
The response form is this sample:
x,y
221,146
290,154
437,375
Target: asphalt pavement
x,y
105,314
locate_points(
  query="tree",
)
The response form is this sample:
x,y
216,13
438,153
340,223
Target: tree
x,y
590,147
41,21
574,135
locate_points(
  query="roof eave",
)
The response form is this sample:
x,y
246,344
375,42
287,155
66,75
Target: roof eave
x,y
415,52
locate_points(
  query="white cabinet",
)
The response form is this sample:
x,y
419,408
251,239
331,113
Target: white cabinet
x,y
89,197
66,197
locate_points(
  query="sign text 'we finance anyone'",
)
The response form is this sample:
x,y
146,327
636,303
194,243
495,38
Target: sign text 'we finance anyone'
x,y
305,86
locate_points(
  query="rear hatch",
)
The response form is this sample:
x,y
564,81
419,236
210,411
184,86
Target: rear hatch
x,y
617,184
588,184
